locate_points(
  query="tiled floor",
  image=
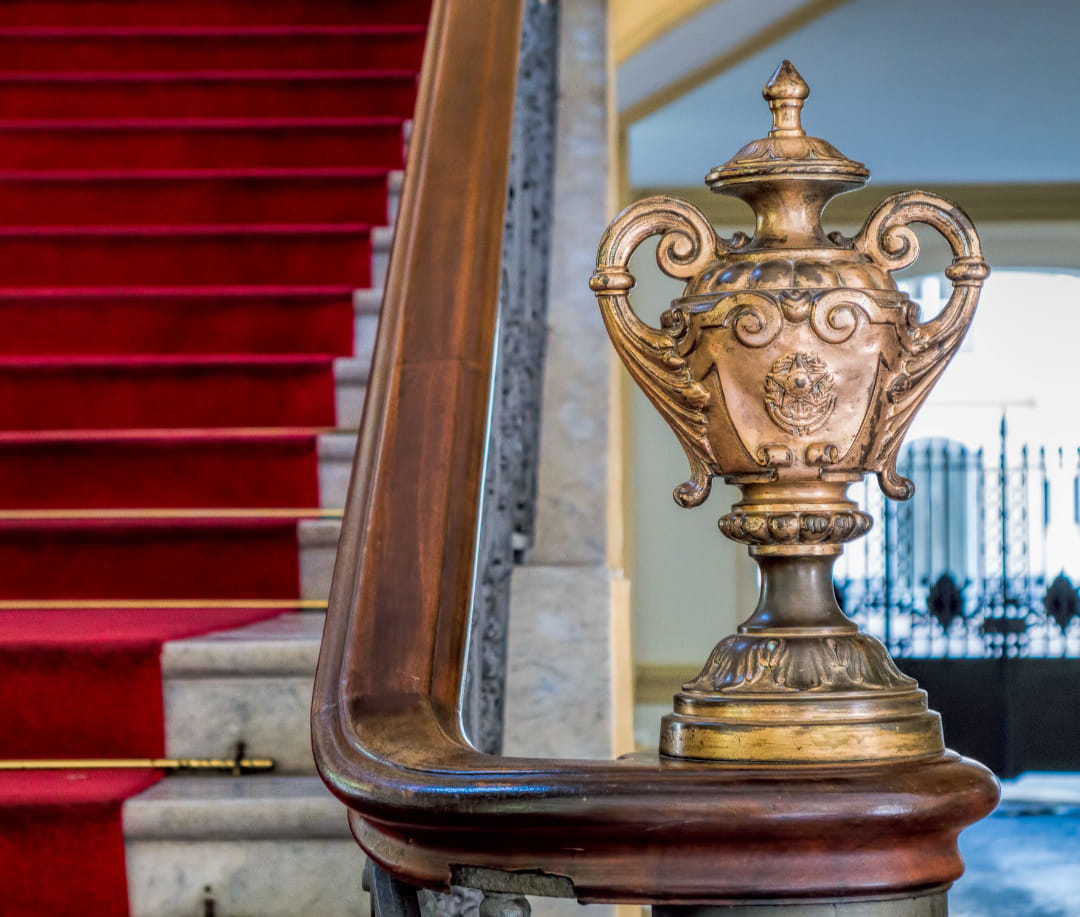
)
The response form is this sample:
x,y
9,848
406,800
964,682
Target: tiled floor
x,y
1024,861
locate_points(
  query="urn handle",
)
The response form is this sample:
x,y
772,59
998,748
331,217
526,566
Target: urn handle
x,y
888,240
688,244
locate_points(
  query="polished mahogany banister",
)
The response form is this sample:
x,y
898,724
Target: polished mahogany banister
x,y
386,721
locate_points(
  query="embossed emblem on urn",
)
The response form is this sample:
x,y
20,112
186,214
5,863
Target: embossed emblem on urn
x,y
799,393
791,366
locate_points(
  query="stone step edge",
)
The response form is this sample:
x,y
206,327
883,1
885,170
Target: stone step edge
x,y
351,370
318,533
336,445
283,646
258,807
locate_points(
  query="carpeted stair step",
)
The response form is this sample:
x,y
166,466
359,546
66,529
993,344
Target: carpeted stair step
x,y
276,846
199,196
200,143
55,817
191,200
191,194
221,255
248,684
134,321
161,468
211,47
148,392
174,468
207,94
175,320
141,555
66,671
211,12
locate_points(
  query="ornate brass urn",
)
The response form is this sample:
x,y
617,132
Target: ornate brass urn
x,y
791,366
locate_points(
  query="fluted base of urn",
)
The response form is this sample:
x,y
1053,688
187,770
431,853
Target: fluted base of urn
x,y
779,697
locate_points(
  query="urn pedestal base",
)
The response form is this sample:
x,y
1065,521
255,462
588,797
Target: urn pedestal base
x,y
799,684
848,727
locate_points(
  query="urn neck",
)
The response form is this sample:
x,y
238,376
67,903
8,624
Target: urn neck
x,y
787,213
797,593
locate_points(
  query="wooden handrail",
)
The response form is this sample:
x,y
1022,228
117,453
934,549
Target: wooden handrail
x,y
386,720
403,575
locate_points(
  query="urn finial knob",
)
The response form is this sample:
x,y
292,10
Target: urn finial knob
x,y
785,92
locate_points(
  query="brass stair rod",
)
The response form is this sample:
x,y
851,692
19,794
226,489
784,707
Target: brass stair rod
x,y
238,765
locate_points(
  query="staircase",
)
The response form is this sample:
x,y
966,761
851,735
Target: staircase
x,y
195,208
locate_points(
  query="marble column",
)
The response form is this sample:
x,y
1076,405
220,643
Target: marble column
x,y
562,698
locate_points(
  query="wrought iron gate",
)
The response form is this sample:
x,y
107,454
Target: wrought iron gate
x,y
971,586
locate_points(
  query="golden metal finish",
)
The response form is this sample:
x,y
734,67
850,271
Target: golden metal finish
x,y
791,366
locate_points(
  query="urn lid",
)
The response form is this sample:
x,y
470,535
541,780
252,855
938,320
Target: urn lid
x,y
787,153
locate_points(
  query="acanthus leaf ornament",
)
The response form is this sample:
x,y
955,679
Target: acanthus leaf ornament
x,y
792,366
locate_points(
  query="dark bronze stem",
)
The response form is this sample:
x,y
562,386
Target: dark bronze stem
x,y
796,591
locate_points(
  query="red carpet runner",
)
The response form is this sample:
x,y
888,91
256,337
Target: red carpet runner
x,y
187,193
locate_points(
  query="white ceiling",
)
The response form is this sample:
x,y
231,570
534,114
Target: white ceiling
x,y
922,91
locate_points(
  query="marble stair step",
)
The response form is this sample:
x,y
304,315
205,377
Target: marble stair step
x,y
394,181
335,454
249,685
367,302
382,238
350,386
318,540
366,306
272,846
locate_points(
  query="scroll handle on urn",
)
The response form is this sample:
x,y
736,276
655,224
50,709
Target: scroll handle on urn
x,y
688,244
888,239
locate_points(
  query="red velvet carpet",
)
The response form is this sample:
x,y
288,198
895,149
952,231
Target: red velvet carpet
x,y
187,195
